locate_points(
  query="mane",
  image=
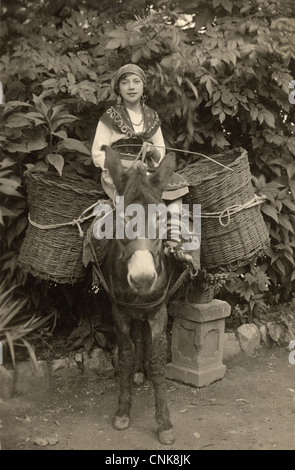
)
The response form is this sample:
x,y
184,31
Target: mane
x,y
139,189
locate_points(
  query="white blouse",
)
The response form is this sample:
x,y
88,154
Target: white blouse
x,y
107,136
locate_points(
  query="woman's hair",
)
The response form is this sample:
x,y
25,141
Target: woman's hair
x,y
125,75
126,70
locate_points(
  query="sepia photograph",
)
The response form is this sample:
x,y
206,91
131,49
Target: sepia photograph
x,y
147,228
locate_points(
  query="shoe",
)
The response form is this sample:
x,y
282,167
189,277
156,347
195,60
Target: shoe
x,y
174,248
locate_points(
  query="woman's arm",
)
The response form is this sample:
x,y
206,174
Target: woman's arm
x,y
158,142
156,148
103,136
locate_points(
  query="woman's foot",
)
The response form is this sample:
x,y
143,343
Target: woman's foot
x,y
173,248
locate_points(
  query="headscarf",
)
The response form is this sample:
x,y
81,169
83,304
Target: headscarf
x,y
117,116
128,68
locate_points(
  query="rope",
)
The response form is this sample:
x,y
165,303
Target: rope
x,y
229,211
179,281
76,222
63,185
183,151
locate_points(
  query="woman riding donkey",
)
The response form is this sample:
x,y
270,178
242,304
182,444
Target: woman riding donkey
x,y
131,127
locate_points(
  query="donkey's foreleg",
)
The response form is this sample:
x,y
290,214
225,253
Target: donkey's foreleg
x,y
139,352
157,367
126,370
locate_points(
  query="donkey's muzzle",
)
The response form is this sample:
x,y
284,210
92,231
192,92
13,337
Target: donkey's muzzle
x,y
144,283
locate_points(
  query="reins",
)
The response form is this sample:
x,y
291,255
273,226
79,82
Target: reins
x,y
166,295
176,150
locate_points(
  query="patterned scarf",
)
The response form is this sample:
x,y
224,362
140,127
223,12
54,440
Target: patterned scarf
x,y
118,117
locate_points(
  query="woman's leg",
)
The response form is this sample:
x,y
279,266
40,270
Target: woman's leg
x,y
175,237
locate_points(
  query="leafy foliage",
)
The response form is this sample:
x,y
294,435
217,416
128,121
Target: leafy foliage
x,y
249,286
218,79
15,325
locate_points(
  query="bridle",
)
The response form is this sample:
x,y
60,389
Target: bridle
x,y
128,249
169,290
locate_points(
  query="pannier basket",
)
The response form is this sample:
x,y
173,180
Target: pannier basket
x,y
60,212
233,231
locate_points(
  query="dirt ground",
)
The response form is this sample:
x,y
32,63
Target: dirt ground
x,y
252,407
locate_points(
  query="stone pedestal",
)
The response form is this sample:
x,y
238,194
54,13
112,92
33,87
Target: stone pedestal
x,y
197,342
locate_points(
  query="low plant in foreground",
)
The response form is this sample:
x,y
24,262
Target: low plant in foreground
x,y
15,325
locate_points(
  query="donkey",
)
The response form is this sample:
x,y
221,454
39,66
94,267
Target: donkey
x,y
137,275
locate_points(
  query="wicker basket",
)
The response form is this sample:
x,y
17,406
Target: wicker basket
x,y
233,229
199,296
52,252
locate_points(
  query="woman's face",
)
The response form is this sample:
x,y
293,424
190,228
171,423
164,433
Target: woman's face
x,y
131,88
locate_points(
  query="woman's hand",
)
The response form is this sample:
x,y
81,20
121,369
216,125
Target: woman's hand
x,y
147,147
150,150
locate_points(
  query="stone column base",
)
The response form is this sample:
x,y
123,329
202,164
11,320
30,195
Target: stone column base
x,y
191,376
197,342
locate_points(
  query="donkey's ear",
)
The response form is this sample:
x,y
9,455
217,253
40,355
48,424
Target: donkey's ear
x,y
165,170
114,165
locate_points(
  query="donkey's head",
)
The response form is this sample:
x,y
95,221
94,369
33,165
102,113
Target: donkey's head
x,y
141,247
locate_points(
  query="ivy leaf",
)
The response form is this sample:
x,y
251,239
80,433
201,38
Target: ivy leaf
x,y
290,257
57,161
290,170
292,188
280,265
100,339
245,291
227,5
291,145
4,212
220,140
62,134
136,56
7,163
38,118
14,104
285,222
114,44
88,343
61,119
8,187
270,211
40,105
17,120
38,143
289,204
15,147
74,144
41,166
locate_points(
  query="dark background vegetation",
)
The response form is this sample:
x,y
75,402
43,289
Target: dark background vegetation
x,y
219,79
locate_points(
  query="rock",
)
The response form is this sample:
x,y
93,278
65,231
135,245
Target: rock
x,y
265,337
99,361
249,338
231,345
65,367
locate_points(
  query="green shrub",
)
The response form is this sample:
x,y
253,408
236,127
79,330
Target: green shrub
x,y
222,82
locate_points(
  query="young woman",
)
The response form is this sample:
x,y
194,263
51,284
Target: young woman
x,y
131,126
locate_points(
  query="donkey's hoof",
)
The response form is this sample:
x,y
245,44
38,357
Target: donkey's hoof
x,y
138,378
121,422
166,436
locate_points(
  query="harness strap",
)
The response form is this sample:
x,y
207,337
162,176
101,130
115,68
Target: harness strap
x,y
139,244
154,303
